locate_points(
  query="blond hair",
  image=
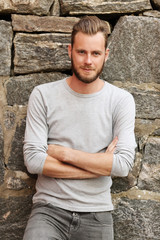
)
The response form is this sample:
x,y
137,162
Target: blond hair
x,y
90,25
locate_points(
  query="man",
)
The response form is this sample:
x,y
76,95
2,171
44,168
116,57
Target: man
x,y
79,132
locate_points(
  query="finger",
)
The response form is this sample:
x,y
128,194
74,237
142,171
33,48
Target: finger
x,y
112,145
111,150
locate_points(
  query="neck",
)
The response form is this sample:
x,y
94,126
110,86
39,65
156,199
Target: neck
x,y
85,88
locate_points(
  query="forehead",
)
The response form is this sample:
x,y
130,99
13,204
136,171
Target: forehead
x,y
86,41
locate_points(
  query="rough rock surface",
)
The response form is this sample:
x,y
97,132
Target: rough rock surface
x,y
1,155
14,212
38,7
80,7
19,88
156,4
15,161
5,47
147,107
41,52
29,23
134,51
149,177
152,13
137,220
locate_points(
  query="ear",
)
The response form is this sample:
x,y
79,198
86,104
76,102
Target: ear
x,y
69,50
106,54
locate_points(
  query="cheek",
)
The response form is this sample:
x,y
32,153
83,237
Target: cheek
x,y
98,62
78,60
102,61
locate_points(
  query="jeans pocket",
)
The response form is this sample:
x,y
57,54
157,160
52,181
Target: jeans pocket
x,y
104,217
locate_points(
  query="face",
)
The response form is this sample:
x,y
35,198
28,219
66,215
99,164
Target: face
x,y
88,56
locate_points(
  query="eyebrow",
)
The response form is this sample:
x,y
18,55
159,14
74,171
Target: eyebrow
x,y
98,51
81,49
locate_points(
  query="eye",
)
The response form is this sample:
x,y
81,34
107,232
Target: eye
x,y
96,54
81,52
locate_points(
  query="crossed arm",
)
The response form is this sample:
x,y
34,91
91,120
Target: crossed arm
x,y
64,162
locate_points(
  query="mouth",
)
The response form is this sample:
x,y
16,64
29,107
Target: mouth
x,y
87,69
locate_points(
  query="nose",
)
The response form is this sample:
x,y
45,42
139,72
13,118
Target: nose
x,y
88,59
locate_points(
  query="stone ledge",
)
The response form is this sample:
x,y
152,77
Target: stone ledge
x,y
41,52
38,7
30,23
136,194
152,13
103,7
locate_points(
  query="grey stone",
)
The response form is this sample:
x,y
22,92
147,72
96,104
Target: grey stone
x,y
147,127
16,160
123,184
38,7
152,13
149,177
41,52
5,47
1,156
55,9
137,219
29,23
2,93
14,213
14,183
134,51
12,231
19,87
79,7
9,119
147,104
141,142
157,132
156,4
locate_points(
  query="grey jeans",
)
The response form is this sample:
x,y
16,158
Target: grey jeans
x,y
47,222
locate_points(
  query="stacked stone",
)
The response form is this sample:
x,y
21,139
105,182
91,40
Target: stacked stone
x,y
33,44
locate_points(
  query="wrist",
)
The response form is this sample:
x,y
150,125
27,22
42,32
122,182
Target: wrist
x,y
58,152
68,155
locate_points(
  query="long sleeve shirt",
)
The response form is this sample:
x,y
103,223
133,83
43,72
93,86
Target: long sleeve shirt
x,y
86,122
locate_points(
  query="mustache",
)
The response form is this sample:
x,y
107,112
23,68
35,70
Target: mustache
x,y
87,67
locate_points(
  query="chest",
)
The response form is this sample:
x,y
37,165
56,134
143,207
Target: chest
x,y
84,124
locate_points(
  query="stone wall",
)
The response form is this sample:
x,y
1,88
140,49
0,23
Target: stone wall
x,y
33,49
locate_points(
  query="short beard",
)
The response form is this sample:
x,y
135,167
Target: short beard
x,y
83,79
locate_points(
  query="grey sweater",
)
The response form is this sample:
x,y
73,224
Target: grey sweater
x,y
87,122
